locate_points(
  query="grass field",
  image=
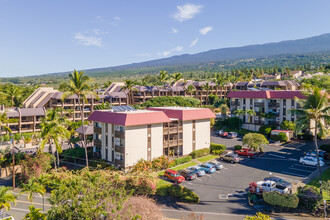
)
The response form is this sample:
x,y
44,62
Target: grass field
x,y
325,177
162,182
207,158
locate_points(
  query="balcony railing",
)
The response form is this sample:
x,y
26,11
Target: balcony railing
x,y
119,149
235,103
120,162
273,105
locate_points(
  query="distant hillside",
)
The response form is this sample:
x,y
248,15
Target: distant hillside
x,y
313,50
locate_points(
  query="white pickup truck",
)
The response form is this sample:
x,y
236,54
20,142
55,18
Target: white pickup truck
x,y
268,186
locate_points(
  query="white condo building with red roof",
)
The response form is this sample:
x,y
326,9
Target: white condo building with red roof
x,y
125,137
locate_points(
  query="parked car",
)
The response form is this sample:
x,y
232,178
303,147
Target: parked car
x,y
246,152
188,174
208,168
310,161
216,164
279,182
231,157
232,135
197,170
322,153
271,186
174,176
222,133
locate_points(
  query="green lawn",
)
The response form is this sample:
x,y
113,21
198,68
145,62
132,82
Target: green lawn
x,y
325,177
207,158
162,182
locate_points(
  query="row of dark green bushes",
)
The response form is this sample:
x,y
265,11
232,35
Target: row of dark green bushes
x,y
214,149
180,192
279,137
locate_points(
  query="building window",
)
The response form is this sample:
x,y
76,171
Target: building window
x,y
98,125
117,141
122,129
119,156
117,128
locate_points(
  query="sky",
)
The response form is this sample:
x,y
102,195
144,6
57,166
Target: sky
x,y
47,36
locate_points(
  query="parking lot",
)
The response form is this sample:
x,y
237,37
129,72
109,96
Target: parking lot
x,y
224,190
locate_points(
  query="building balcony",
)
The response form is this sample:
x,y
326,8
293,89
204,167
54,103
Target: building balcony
x,y
235,104
120,149
273,105
119,134
172,143
259,104
120,162
97,143
97,130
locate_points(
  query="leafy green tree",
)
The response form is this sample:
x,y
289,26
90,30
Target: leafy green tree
x,y
13,92
240,113
35,214
176,77
314,114
191,89
207,87
288,125
79,86
54,130
129,86
255,141
3,122
31,187
219,81
6,197
107,84
224,109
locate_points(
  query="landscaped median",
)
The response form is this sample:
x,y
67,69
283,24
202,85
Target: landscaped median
x,y
325,184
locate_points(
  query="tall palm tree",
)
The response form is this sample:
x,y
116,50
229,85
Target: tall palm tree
x,y
191,89
107,84
163,77
219,82
314,114
31,187
224,109
129,86
207,87
3,122
176,77
54,130
6,197
13,92
240,113
79,86
251,113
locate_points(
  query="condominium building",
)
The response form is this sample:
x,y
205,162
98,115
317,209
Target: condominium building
x,y
123,137
270,107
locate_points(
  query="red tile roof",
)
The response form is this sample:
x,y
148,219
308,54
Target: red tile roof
x,y
267,94
186,114
129,118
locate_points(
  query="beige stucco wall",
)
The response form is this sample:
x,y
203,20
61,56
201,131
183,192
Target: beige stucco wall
x,y
187,137
202,134
135,144
156,140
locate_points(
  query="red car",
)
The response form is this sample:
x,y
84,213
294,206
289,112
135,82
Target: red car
x,y
174,176
223,133
246,152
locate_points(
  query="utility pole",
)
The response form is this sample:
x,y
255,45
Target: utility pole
x,y
12,138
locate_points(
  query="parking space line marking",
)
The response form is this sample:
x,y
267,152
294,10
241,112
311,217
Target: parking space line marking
x,y
293,159
307,171
188,183
225,168
198,179
301,165
288,179
293,174
233,165
217,171
274,155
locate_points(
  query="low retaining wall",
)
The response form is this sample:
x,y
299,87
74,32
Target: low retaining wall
x,y
7,171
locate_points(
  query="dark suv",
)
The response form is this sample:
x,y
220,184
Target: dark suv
x,y
187,174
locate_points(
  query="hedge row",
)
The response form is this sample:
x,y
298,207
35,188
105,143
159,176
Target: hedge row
x,y
307,137
177,191
181,160
200,153
279,137
279,199
238,147
217,148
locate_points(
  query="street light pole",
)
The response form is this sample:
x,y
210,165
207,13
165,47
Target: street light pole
x,y
12,138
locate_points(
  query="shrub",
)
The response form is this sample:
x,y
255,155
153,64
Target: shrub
x,y
175,190
288,125
325,147
279,137
258,216
255,141
140,185
163,190
238,147
274,137
182,160
266,129
306,137
309,198
142,166
160,163
35,165
219,148
189,196
77,152
200,153
278,199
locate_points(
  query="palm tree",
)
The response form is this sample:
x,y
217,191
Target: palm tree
x,y
31,187
219,81
176,77
191,89
224,109
251,113
163,77
207,87
129,86
6,197
54,129
35,214
240,113
107,84
79,87
314,114
3,122
13,92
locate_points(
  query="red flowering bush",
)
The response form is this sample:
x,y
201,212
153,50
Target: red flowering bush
x,y
142,166
160,163
141,185
35,165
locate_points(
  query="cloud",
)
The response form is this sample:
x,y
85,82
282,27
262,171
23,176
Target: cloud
x,y
97,32
116,18
205,30
187,11
174,31
87,40
168,52
194,42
